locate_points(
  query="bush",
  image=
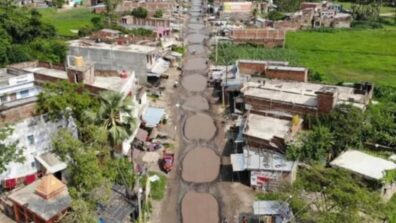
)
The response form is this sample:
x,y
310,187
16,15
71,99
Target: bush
x,y
315,76
140,12
158,13
366,24
275,15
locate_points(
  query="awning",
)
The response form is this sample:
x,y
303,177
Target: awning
x,y
51,162
153,116
160,66
238,162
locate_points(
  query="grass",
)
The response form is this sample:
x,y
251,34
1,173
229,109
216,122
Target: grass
x,y
158,187
340,55
67,20
348,55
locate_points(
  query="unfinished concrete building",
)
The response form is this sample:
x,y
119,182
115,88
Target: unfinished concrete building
x,y
152,6
303,98
113,57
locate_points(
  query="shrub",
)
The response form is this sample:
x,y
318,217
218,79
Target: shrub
x,y
158,13
140,12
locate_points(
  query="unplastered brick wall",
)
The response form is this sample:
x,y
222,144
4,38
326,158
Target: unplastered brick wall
x,y
127,6
267,37
284,74
17,113
252,67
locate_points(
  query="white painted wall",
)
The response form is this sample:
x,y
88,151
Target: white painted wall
x,y
34,136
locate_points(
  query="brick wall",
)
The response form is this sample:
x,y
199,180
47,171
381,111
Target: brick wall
x,y
17,113
154,22
293,75
252,67
128,6
287,25
326,101
268,37
264,104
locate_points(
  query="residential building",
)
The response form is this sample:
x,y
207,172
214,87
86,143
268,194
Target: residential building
x,y
113,57
267,169
272,211
152,6
303,97
161,26
44,201
33,132
369,167
121,207
79,70
270,130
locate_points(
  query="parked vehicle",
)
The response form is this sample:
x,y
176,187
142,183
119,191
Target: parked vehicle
x,y
167,161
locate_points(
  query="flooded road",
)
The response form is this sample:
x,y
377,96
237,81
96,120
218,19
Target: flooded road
x,y
194,190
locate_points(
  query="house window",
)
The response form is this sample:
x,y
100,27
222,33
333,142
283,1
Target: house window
x,y
24,93
3,98
30,139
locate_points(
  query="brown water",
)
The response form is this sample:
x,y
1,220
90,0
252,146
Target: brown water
x,y
200,208
199,126
194,82
201,165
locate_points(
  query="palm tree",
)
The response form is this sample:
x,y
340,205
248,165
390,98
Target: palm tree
x,y
115,116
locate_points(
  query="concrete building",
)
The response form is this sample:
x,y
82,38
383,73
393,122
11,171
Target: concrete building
x,y
112,57
17,89
44,201
269,132
369,167
267,169
95,81
161,26
152,6
272,211
32,132
302,97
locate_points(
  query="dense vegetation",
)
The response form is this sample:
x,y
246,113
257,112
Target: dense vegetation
x,y
92,169
23,36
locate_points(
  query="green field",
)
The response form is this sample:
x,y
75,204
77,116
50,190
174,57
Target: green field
x,y
348,55
383,9
67,21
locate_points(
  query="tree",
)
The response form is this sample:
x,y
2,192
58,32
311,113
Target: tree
x,y
380,125
346,124
65,99
115,116
140,12
9,152
312,146
158,14
340,197
59,3
275,15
